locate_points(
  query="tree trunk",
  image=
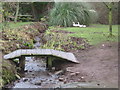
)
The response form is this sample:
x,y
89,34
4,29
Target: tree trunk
x,y
22,64
17,12
49,63
34,12
110,18
110,21
110,7
0,12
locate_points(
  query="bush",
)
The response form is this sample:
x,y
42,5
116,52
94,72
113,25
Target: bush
x,y
15,39
60,40
8,72
64,14
55,40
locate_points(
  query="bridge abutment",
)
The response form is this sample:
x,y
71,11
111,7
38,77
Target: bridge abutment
x,y
49,63
22,64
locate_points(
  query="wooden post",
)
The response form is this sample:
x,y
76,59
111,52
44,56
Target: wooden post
x,y
49,63
22,64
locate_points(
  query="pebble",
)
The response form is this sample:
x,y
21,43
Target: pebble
x,y
50,80
53,68
26,70
68,69
65,81
61,79
103,45
79,80
33,74
98,84
59,72
72,74
38,83
43,80
77,73
18,81
82,77
30,71
25,79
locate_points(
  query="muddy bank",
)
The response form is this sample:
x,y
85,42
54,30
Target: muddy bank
x,y
94,70
36,76
99,64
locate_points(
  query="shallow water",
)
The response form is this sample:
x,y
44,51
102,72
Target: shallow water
x,y
37,76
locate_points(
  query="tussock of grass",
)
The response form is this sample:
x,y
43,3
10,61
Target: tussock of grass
x,y
63,14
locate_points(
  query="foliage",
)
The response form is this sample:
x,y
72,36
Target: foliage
x,y
9,9
1,11
64,14
8,72
36,9
103,12
54,41
15,38
63,42
43,8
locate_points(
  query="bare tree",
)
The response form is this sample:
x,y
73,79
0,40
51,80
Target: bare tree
x,y
34,12
17,12
110,8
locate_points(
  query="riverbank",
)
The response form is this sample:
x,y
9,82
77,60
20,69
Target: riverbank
x,y
93,71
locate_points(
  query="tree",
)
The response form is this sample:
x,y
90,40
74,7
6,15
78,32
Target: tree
x,y
34,12
1,12
17,12
110,8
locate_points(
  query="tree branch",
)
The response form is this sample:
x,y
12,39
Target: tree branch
x,y
106,5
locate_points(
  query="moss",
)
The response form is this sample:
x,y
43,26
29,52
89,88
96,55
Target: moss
x,y
1,82
8,72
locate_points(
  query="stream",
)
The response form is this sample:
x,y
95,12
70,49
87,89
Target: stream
x,y
36,75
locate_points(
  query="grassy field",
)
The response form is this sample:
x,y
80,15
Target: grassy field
x,y
14,25
95,34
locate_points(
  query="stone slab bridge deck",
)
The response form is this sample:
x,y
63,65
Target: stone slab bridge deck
x,y
49,53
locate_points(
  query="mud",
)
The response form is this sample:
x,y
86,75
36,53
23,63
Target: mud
x,y
99,64
98,68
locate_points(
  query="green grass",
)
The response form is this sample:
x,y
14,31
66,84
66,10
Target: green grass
x,y
95,34
15,25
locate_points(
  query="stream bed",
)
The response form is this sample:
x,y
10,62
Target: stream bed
x,y
36,75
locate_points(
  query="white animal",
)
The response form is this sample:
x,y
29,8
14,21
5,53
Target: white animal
x,y
84,25
92,10
78,25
